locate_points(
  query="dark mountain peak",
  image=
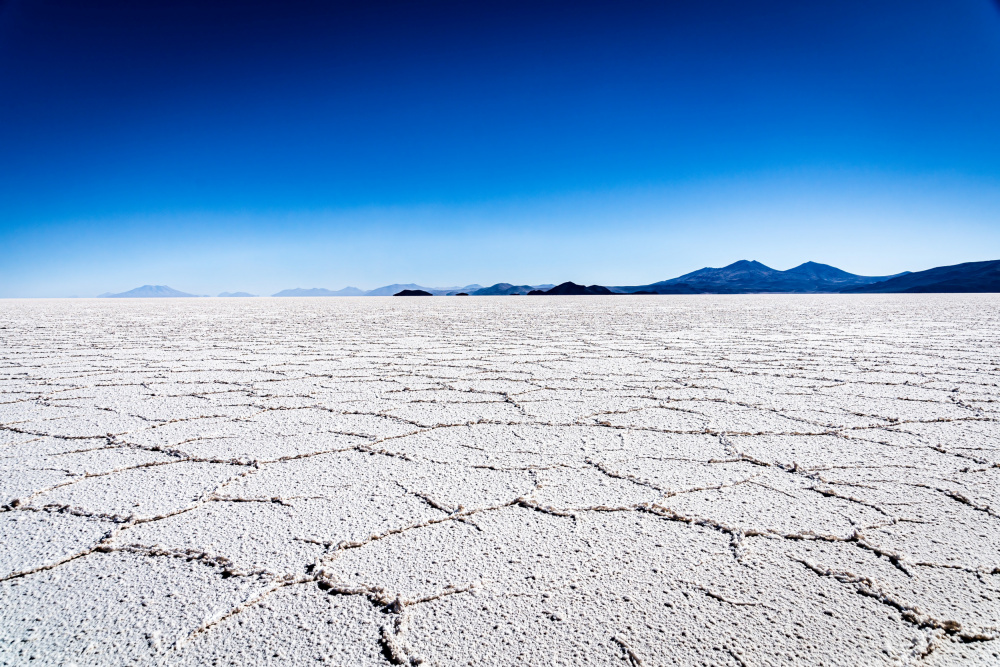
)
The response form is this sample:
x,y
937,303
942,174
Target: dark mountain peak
x,y
504,289
821,271
741,270
812,266
413,292
570,288
747,265
750,276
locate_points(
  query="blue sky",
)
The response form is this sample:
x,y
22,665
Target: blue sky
x,y
256,147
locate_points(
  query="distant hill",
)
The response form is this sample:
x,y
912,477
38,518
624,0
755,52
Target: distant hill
x,y
742,277
413,292
753,277
319,291
433,291
453,291
387,290
967,277
147,292
507,288
391,290
570,288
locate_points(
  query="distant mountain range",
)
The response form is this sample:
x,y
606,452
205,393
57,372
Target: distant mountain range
x,y
753,277
968,277
506,288
572,289
742,277
388,290
146,292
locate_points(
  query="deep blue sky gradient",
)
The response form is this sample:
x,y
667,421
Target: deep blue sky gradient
x,y
259,146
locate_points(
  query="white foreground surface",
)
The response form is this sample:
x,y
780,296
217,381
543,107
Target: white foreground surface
x,y
745,480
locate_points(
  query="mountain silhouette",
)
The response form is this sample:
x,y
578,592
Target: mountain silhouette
x,y
824,272
391,290
742,277
455,291
967,277
749,276
386,290
571,288
507,288
147,292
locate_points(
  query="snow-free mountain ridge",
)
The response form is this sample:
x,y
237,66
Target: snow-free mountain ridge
x,y
387,290
967,277
506,289
147,292
750,276
742,277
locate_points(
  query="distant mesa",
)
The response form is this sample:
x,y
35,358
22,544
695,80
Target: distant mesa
x,y
536,292
462,294
413,292
572,289
147,292
232,294
970,277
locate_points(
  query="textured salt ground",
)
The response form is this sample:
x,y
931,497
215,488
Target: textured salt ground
x,y
752,480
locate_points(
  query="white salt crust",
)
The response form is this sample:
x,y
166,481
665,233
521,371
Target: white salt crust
x,y
629,480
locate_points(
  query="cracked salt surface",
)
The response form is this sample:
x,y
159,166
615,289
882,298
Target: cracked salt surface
x,y
747,480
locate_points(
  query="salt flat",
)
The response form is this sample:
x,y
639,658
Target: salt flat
x,y
744,480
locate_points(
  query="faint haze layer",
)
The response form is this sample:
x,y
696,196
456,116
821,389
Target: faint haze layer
x,y
253,146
